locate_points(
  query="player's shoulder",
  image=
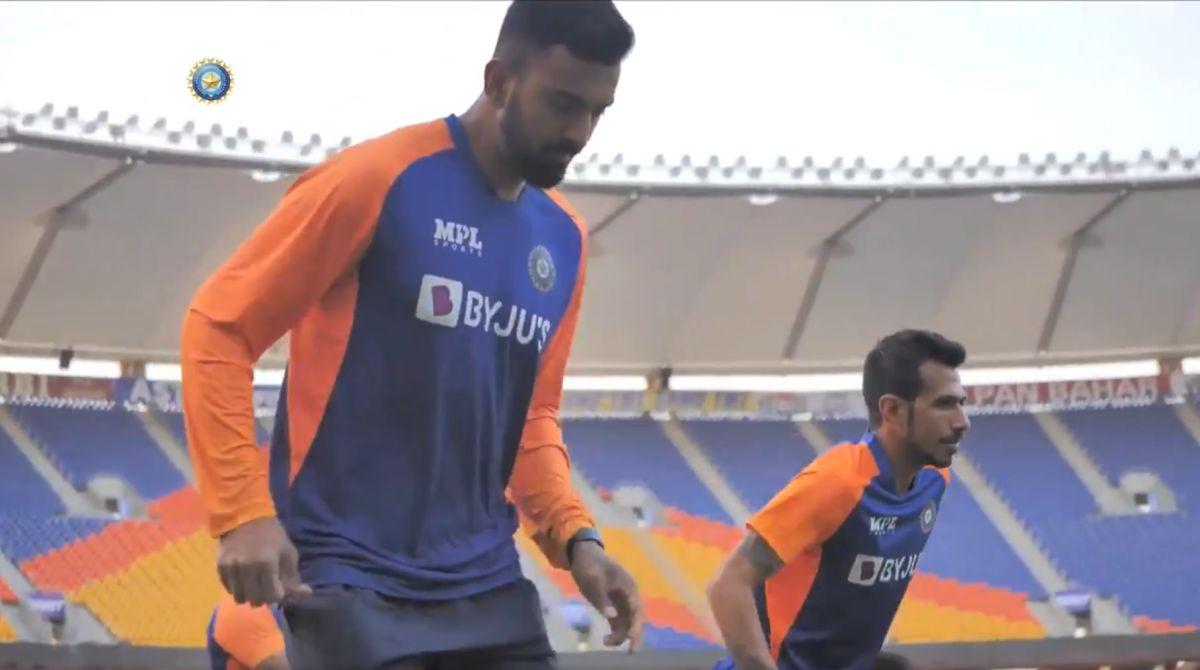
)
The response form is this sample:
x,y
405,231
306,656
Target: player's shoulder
x,y
397,150
560,202
372,165
851,463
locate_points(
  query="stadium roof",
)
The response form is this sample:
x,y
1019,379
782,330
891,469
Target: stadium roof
x,y
109,226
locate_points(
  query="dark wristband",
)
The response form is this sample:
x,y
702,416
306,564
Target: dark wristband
x,y
582,535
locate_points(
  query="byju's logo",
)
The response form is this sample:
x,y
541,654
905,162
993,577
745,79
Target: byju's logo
x,y
872,570
444,302
440,301
458,237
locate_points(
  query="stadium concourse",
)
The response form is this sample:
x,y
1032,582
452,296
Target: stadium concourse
x,y
728,307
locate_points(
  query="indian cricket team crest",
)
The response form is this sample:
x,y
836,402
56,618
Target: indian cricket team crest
x,y
210,80
928,516
541,268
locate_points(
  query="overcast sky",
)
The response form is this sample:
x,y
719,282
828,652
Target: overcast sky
x,y
760,79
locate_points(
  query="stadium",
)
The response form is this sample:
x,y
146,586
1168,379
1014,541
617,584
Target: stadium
x,y
728,308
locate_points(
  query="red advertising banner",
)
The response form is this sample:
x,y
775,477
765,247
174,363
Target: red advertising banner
x,y
48,386
1143,390
80,388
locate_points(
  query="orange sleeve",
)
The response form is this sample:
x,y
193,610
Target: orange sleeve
x,y
540,484
310,243
811,508
248,634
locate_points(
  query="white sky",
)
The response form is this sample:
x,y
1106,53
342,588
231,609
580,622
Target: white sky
x,y
760,79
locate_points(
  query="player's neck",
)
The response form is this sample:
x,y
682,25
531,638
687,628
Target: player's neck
x,y
483,134
904,466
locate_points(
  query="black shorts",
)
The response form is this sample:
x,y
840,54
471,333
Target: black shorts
x,y
347,628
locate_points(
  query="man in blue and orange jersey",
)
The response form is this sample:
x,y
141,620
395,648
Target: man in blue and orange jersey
x,y
245,637
430,280
820,575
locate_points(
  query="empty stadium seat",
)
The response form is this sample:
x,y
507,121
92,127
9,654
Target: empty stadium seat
x,y
7,595
661,638
23,488
757,458
7,634
91,442
1014,453
613,452
1141,438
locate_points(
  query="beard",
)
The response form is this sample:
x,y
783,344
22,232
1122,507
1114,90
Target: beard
x,y
542,166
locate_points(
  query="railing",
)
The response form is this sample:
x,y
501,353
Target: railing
x,y
1060,653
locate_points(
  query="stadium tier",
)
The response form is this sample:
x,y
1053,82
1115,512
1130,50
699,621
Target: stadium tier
x,y
152,581
23,488
86,443
605,449
741,448
1140,438
1015,454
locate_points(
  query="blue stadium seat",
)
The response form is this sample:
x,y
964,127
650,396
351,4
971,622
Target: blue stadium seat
x,y
757,457
24,537
659,638
1141,438
91,442
612,452
22,487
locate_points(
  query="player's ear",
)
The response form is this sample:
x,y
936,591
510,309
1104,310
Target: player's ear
x,y
891,408
497,82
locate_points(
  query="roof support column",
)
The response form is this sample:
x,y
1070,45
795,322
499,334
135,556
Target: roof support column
x,y
1074,243
824,251
66,215
631,200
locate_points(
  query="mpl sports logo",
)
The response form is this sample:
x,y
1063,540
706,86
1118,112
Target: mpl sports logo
x,y
872,570
883,525
445,302
458,237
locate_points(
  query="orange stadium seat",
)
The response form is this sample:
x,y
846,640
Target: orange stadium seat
x,y
1160,627
7,634
7,596
663,605
697,561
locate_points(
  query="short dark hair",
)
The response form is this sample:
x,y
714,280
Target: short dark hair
x,y
893,366
592,30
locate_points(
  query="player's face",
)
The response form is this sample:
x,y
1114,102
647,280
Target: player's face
x,y
555,105
938,419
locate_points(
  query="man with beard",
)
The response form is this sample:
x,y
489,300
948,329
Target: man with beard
x,y
818,580
430,280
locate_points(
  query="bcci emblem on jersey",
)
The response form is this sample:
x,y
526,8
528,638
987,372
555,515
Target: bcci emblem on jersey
x,y
541,268
928,516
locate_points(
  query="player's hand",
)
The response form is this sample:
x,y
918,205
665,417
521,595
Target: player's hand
x,y
258,564
612,591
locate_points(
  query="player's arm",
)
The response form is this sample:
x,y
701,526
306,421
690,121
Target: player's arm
x,y
304,250
540,483
799,518
731,596
540,486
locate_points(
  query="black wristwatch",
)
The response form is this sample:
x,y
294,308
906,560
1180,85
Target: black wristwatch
x,y
583,535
